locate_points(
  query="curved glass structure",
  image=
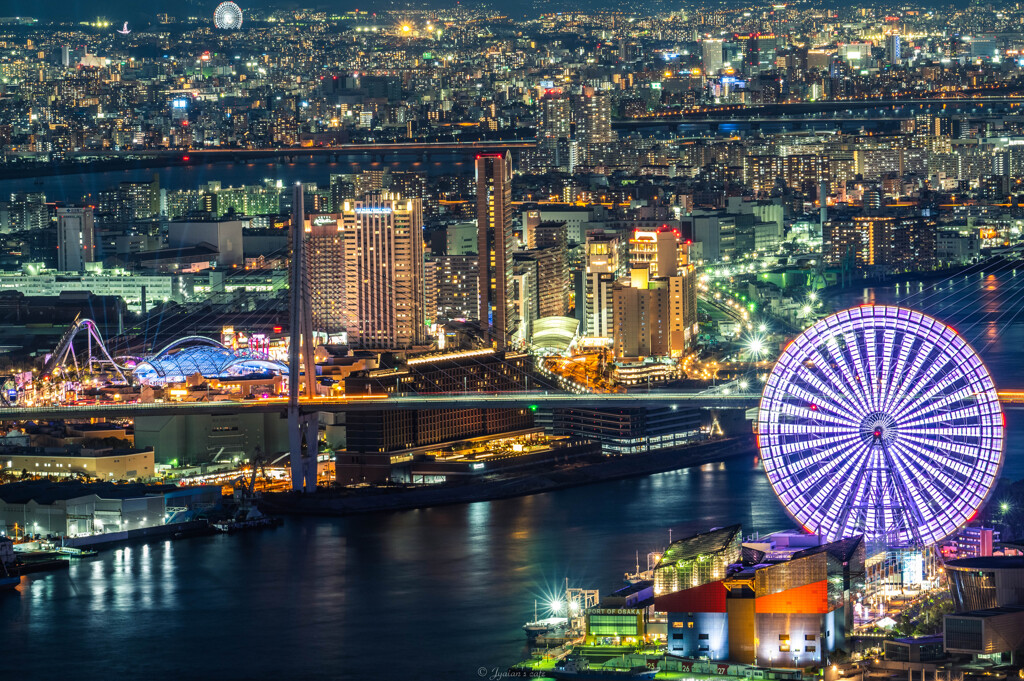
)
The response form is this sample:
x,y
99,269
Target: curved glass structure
x,y
554,334
205,357
881,421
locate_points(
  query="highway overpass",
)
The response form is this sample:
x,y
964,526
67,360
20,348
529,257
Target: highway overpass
x,y
1012,400
356,404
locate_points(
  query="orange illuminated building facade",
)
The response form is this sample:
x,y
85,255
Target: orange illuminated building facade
x,y
787,603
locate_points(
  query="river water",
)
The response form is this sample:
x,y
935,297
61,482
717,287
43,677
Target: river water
x,y
430,594
84,186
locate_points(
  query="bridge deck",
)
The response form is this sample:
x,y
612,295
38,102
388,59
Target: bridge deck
x,y
1011,400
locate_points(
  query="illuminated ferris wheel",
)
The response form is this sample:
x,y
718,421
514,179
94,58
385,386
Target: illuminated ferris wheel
x,y
881,421
227,16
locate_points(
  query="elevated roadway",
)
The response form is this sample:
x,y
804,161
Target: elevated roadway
x,y
1012,400
356,404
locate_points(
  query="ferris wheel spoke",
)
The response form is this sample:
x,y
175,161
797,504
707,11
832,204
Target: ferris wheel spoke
x,y
912,475
830,384
871,371
840,469
972,412
823,458
928,361
858,376
856,388
928,382
931,470
885,367
933,397
797,445
894,382
813,405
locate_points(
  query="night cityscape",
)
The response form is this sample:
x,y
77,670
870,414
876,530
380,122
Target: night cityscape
x,y
550,340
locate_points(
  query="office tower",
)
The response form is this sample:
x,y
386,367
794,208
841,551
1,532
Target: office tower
x,y
24,212
549,281
365,269
551,238
412,185
893,53
556,116
602,269
76,243
65,55
370,181
384,271
343,188
712,52
495,245
525,295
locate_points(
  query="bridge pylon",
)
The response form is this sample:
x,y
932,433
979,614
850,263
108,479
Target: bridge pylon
x,y
303,429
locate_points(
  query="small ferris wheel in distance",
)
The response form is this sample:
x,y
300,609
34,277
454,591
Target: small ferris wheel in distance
x,y
227,16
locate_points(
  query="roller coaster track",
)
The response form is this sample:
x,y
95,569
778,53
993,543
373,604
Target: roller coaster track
x,y
96,351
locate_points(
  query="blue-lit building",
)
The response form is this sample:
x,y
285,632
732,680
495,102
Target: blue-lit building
x,y
203,356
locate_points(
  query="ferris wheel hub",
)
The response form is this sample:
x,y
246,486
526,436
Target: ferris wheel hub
x,y
880,428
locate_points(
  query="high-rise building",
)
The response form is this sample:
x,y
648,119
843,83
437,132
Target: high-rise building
x,y
888,242
457,283
525,275
552,237
24,212
325,273
712,53
657,250
603,267
594,122
654,317
76,243
495,245
893,53
461,239
365,268
553,133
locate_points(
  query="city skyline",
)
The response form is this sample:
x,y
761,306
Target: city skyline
x,y
588,341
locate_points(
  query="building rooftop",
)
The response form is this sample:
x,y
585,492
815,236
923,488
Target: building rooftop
x,y
988,563
45,492
842,549
713,541
991,612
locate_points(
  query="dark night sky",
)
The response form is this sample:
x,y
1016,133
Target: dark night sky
x,y
142,12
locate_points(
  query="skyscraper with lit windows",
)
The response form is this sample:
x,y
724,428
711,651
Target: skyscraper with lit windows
x,y
495,243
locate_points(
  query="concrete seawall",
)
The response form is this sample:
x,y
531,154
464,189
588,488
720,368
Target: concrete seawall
x,y
335,503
